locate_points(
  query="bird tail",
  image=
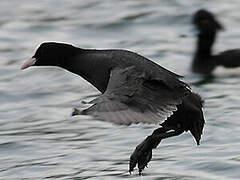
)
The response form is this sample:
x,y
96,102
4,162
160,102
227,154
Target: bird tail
x,y
196,128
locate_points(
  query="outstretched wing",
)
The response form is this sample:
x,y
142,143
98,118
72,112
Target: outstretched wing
x,y
133,96
230,58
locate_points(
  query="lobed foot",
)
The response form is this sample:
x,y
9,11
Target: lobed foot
x,y
140,158
142,155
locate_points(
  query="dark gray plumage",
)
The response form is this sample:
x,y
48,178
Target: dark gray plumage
x,y
133,96
204,61
134,89
188,117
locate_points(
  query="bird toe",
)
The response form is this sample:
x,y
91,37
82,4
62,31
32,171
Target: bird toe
x,y
140,158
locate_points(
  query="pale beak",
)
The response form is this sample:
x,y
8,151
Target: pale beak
x,y
28,63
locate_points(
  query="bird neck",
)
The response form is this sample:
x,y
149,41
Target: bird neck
x,y
204,44
92,65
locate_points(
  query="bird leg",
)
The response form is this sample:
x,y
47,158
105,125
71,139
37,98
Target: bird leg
x,y
142,155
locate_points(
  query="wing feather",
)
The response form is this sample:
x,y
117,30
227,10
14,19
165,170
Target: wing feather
x,y
134,97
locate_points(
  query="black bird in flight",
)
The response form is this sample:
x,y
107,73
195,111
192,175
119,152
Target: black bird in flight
x,y
134,89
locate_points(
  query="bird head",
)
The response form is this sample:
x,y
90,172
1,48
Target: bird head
x,y
49,54
206,22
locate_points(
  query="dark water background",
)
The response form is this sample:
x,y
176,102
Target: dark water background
x,y
38,137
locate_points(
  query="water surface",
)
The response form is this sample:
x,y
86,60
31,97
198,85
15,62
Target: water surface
x,y
40,140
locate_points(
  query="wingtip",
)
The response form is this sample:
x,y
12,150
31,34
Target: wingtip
x,y
76,112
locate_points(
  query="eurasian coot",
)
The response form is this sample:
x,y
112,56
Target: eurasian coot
x,y
204,61
134,89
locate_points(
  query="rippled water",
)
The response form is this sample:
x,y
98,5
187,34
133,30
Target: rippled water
x,y
40,140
